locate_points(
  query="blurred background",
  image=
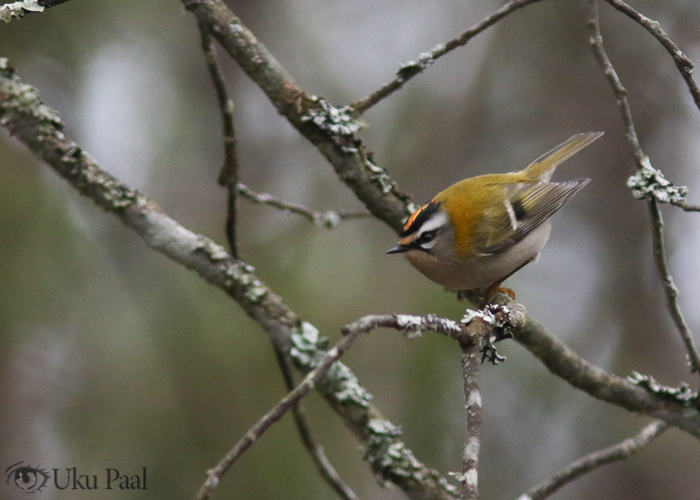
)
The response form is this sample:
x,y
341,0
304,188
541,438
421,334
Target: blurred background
x,y
111,356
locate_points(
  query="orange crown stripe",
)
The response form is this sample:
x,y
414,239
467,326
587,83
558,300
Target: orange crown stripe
x,y
413,217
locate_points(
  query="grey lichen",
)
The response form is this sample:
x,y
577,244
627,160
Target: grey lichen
x,y
336,123
215,251
411,326
379,176
682,394
493,323
308,349
410,68
21,98
254,290
649,182
114,193
18,9
496,315
329,219
390,458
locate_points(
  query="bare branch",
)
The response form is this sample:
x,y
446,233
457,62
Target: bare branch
x,y
566,364
670,289
40,129
615,453
229,171
412,68
310,380
329,219
687,206
330,129
50,3
683,63
648,183
596,42
318,455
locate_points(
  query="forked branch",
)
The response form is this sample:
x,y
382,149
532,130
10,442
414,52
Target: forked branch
x,y
648,183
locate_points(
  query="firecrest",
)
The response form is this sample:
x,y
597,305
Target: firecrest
x,y
481,230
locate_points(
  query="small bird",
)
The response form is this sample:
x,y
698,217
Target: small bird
x,y
480,231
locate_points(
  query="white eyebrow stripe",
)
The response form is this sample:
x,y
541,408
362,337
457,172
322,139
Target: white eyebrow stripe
x,y
436,221
511,214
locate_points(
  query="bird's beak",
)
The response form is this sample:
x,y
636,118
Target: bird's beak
x,y
398,249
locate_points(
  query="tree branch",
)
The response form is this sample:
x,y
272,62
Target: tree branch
x,y
318,455
412,68
683,63
670,290
228,177
50,3
330,219
559,359
330,129
648,183
40,129
471,373
615,453
310,380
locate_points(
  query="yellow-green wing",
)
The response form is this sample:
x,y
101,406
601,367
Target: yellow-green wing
x,y
542,168
526,207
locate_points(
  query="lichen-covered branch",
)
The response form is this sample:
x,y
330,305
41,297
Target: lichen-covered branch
x,y
412,68
559,359
332,130
683,63
305,386
647,183
615,453
40,129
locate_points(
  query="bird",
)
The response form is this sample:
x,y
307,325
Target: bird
x,y
481,230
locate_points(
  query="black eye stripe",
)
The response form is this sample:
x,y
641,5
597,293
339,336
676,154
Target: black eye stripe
x,y
419,218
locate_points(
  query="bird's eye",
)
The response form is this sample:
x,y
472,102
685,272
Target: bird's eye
x,y
426,237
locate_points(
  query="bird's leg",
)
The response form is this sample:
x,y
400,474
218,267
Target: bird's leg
x,y
495,287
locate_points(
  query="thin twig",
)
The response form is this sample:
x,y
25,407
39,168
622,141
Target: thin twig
x,y
615,453
50,3
329,219
318,455
404,323
329,129
596,382
687,206
40,129
272,416
228,177
683,63
596,42
643,163
427,59
670,289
